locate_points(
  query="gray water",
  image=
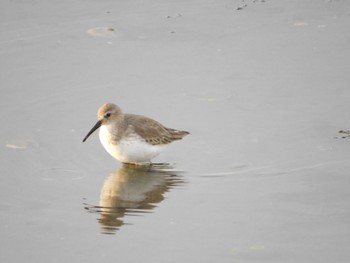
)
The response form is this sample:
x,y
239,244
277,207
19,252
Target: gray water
x,y
263,87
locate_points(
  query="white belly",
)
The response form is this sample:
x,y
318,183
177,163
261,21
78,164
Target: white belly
x,y
129,150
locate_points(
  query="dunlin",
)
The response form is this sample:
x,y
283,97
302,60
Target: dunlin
x,y
132,138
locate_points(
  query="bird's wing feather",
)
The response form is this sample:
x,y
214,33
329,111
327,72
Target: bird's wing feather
x,y
152,131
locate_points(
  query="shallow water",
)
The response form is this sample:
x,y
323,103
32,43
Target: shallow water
x,y
132,191
261,85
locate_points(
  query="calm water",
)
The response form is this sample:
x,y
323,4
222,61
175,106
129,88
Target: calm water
x,y
132,191
264,175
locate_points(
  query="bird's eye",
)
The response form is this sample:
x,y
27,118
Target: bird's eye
x,y
107,115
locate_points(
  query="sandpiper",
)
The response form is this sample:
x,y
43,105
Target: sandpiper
x,y
132,138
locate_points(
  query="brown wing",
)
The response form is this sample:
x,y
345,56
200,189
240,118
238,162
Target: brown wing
x,y
152,131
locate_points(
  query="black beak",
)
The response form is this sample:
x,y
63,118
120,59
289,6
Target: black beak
x,y
96,126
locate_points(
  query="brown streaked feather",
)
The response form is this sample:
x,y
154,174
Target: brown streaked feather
x,y
152,131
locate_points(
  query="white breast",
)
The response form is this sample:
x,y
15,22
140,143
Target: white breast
x,y
129,150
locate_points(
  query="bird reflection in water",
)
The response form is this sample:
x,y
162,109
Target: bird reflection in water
x,y
133,190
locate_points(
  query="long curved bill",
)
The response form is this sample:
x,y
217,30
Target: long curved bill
x,y
96,126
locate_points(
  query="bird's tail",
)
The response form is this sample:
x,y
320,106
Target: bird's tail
x,y
177,135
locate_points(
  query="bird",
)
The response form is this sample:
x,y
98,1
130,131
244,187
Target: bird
x,y
131,138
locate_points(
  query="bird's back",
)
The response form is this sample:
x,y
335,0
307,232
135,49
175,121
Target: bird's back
x,y
152,131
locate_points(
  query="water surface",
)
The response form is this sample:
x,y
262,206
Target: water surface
x,y
263,87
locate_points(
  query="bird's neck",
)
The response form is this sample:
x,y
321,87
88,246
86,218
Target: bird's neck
x,y
117,128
